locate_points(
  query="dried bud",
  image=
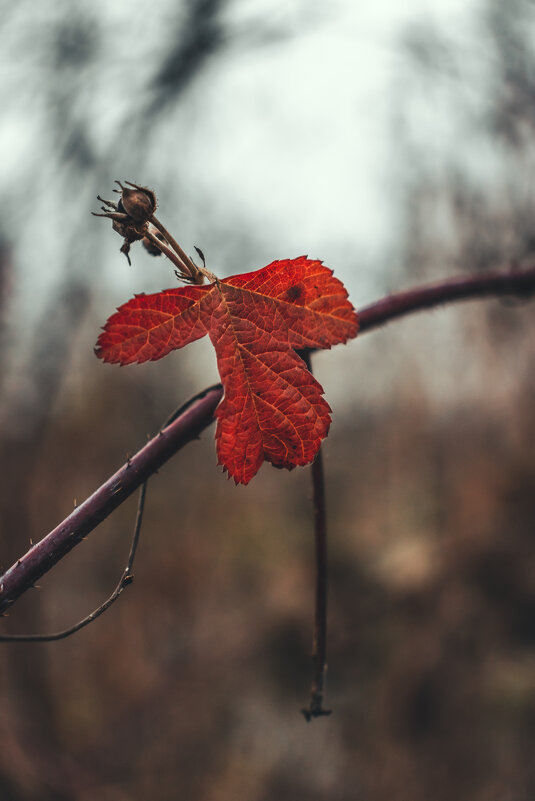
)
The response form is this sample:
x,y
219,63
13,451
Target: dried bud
x,y
139,203
133,219
128,230
125,248
150,247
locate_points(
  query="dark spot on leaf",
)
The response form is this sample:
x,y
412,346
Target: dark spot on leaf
x,y
294,294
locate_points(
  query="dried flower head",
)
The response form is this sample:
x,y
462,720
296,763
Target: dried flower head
x,y
138,202
133,218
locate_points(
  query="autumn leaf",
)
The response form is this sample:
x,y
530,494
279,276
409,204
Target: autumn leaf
x,y
273,408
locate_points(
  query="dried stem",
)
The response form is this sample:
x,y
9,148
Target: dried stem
x,y
319,647
190,266
39,559
183,269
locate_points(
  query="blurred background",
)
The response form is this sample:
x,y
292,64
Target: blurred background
x,y
396,142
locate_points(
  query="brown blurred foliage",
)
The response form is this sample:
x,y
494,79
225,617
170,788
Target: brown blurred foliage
x,y
191,685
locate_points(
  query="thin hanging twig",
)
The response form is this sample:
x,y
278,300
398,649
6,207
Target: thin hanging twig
x,y
186,424
319,647
126,579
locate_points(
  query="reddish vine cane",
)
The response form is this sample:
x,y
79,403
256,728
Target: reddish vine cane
x,y
517,283
197,414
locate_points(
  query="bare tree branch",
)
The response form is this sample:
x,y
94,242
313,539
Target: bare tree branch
x,y
519,283
125,580
44,554
199,414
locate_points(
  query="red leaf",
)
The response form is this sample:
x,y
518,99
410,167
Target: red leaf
x,y
273,407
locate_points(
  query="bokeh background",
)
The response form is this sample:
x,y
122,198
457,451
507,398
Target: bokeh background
x,y
395,141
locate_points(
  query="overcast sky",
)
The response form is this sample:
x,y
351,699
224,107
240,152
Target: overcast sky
x,y
287,140
285,144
